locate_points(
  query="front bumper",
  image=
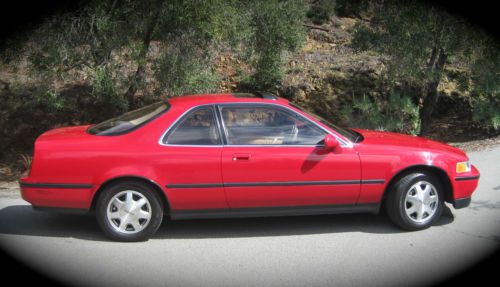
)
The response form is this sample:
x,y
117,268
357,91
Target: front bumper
x,y
463,187
462,203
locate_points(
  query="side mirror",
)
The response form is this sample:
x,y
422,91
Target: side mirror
x,y
331,143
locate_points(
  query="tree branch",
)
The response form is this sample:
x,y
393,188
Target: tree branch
x,y
146,41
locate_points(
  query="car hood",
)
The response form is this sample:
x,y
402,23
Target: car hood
x,y
402,140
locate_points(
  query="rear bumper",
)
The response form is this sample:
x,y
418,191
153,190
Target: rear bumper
x,y
59,195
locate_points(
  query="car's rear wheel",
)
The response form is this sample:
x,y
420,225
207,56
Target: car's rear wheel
x,y
129,211
416,201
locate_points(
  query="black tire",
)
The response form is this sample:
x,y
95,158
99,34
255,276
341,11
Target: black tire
x,y
399,208
139,191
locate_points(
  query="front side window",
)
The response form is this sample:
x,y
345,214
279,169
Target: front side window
x,y
199,127
348,133
268,126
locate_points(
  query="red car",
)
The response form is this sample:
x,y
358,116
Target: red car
x,y
240,155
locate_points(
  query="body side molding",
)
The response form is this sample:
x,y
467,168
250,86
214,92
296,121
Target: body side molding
x,y
275,211
56,185
284,183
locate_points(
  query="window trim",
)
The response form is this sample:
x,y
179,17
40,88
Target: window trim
x,y
181,118
222,128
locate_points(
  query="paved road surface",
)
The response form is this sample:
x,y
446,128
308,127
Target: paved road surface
x,y
340,250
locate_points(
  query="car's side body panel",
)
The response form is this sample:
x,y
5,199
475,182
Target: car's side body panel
x,y
383,159
70,166
289,176
191,177
41,195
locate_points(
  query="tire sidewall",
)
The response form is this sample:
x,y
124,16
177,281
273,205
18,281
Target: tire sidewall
x,y
156,212
403,188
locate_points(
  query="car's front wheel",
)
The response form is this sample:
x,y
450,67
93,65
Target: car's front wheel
x,y
129,211
416,201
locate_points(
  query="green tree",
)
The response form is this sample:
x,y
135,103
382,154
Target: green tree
x,y
421,41
186,35
485,75
278,28
145,20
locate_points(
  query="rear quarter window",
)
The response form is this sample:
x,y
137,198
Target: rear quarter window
x,y
129,121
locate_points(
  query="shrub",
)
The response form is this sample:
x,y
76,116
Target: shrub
x,y
104,91
351,8
269,71
186,69
398,113
320,11
278,28
486,113
28,111
48,98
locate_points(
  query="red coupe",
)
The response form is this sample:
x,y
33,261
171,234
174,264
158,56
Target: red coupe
x,y
240,155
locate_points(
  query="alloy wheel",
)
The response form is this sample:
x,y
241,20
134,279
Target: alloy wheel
x,y
129,212
421,202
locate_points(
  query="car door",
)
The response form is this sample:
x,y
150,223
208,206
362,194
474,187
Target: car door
x,y
191,154
274,157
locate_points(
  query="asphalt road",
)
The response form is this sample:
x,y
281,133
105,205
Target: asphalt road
x,y
340,250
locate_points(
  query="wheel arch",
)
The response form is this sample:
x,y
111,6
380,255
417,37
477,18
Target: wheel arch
x,y
154,186
439,173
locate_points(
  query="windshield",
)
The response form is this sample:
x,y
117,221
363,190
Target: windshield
x,y
351,135
129,121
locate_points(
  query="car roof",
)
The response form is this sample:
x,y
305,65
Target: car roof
x,y
198,99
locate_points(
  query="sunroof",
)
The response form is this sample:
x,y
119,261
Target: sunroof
x,y
262,95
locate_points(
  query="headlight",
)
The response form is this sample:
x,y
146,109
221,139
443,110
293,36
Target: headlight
x,y
463,166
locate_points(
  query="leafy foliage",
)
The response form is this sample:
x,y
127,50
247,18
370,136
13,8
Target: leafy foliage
x,y
423,41
104,90
487,113
278,28
320,11
92,38
349,8
397,113
111,55
185,69
48,98
412,33
29,111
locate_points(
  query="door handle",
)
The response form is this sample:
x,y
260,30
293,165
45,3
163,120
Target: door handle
x,y
241,156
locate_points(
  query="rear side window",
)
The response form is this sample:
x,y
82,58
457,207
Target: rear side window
x,y
199,127
129,121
